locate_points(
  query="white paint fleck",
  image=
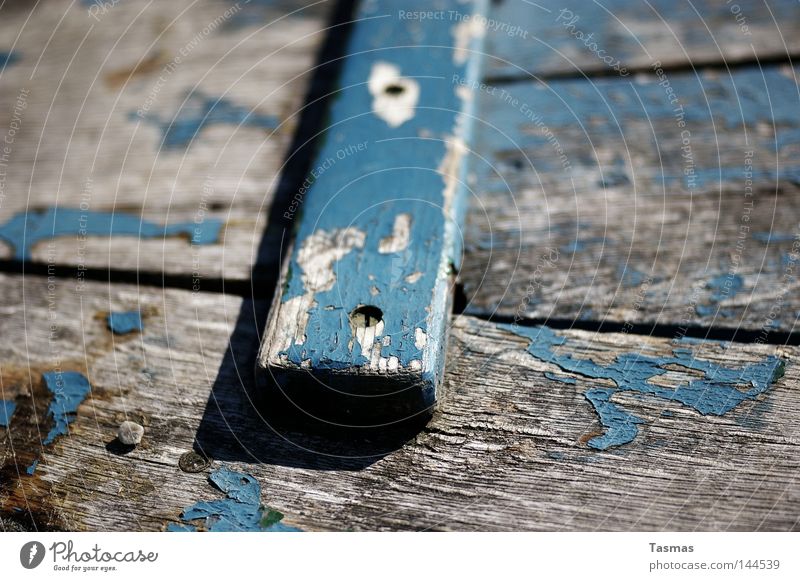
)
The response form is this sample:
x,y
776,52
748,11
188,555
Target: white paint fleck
x,y
367,336
394,363
449,170
413,277
394,97
420,338
464,93
401,234
464,32
316,258
320,251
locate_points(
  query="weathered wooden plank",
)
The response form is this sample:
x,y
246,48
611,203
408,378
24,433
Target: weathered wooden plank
x,y
153,110
618,37
669,199
358,329
509,448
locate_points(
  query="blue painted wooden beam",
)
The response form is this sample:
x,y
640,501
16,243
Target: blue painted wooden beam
x,y
358,327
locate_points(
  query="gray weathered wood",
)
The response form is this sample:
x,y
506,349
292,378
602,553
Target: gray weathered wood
x,y
506,451
553,37
670,199
83,72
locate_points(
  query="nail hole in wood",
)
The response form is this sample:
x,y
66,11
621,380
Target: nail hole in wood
x,y
394,89
366,316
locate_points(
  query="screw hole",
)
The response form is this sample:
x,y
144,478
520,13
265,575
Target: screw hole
x,y
366,316
394,89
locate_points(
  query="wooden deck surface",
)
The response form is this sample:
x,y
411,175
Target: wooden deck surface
x,y
648,221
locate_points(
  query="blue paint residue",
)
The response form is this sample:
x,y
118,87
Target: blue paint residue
x,y
772,237
397,172
6,411
69,389
239,511
124,322
750,96
725,286
581,245
8,59
200,111
30,470
613,179
179,528
722,287
561,378
25,229
716,393
630,277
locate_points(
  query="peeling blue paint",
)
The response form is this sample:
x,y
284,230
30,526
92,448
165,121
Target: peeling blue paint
x,y
30,470
560,378
716,393
555,455
26,228
553,46
8,59
397,172
239,511
124,322
179,528
69,389
6,411
605,107
200,111
620,425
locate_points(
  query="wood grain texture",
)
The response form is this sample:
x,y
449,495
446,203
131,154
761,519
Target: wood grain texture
x,y
670,199
163,111
507,449
554,37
